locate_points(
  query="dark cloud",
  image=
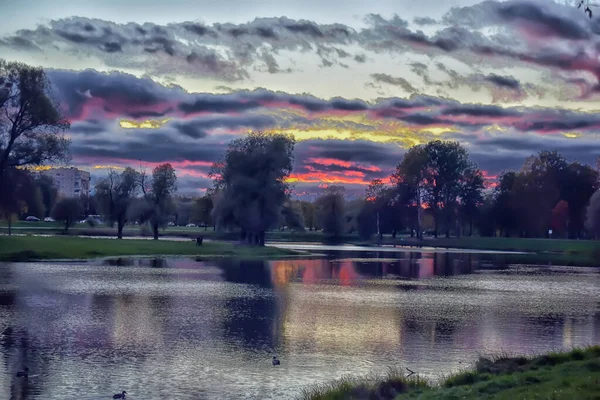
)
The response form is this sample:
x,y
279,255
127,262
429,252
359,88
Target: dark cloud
x,y
503,81
396,81
358,151
189,48
198,127
481,111
424,21
126,93
557,25
88,127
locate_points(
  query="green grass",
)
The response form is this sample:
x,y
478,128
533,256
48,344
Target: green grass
x,y
562,375
367,387
28,248
586,248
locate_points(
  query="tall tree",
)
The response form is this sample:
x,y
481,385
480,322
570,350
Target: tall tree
x,y
472,185
308,214
67,210
252,183
504,208
579,185
201,211
115,194
163,187
560,218
18,183
410,180
31,124
592,221
330,210
48,191
447,163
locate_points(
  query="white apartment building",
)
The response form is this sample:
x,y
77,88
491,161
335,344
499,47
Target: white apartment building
x,y
70,182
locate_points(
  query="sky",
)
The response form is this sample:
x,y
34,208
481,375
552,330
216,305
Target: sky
x,y
356,83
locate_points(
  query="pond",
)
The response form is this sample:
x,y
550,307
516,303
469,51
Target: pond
x,y
180,328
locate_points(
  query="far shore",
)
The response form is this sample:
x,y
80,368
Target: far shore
x,y
575,248
36,248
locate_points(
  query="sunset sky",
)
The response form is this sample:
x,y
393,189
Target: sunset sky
x,y
356,82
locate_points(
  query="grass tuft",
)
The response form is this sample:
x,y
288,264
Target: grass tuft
x,y
569,375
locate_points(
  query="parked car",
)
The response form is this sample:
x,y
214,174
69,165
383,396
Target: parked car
x,y
191,225
49,219
171,224
32,218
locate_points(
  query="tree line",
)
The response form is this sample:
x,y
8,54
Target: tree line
x,y
434,189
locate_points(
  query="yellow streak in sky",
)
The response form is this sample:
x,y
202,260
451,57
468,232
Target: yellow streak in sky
x,y
108,167
35,168
148,124
572,135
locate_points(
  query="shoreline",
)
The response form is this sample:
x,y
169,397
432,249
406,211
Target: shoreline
x,y
574,373
73,248
552,250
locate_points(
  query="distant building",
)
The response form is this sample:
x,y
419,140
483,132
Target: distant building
x,y
70,182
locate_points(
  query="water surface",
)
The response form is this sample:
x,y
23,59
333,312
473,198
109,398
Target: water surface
x,y
185,329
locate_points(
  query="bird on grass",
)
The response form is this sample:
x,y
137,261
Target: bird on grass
x,y
24,373
120,395
275,360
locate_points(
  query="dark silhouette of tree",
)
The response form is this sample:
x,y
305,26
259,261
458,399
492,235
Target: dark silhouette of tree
x,y
592,222
201,211
48,191
292,216
251,184
472,185
115,194
19,185
447,163
560,218
410,180
31,125
578,186
329,208
68,211
308,214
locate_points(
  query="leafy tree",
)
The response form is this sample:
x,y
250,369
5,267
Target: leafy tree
x,y
115,194
159,199
446,165
579,185
308,214
201,211
292,217
410,182
504,208
48,191
472,185
560,217
183,210
31,122
251,182
592,222
18,183
67,210
330,210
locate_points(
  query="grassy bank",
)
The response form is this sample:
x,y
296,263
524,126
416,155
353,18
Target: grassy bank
x,y
27,248
554,246
568,375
